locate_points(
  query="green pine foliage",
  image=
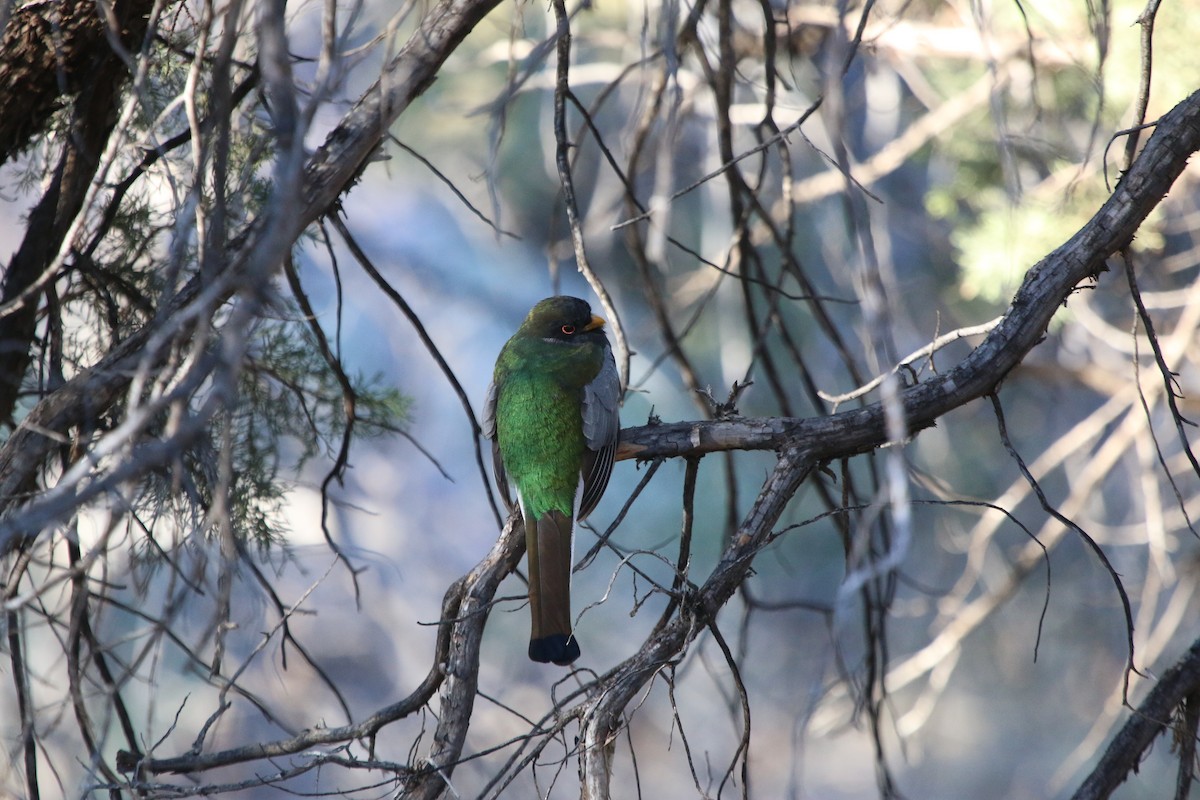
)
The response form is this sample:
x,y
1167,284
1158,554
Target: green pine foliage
x,y
142,244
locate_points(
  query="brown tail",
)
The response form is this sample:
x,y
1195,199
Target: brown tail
x,y
548,547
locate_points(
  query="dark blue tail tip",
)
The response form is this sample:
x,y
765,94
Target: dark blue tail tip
x,y
557,648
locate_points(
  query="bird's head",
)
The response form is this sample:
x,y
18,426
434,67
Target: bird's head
x,y
564,319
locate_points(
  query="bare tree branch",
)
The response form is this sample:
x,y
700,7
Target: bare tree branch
x,y
151,357
1047,285
1152,717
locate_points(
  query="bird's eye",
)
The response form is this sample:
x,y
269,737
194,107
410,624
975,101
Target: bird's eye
x,y
568,329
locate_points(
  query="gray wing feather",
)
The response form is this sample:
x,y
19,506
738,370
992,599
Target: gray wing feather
x,y
489,431
489,412
601,398
601,430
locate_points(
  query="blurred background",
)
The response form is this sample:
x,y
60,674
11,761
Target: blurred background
x,y
991,663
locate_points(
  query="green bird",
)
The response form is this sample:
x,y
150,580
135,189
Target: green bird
x,y
551,413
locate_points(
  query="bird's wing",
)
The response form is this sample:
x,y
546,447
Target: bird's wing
x,y
489,431
601,429
489,412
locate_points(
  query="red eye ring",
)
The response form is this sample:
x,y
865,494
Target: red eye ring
x,y
567,329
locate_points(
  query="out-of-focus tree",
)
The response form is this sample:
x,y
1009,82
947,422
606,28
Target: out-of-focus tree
x,y
906,291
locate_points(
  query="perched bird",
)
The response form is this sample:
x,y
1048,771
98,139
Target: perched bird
x,y
551,413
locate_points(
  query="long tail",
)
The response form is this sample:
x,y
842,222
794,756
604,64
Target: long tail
x,y
548,546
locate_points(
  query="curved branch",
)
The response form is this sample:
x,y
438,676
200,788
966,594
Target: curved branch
x,y
804,443
317,736
808,442
1046,286
335,167
266,243
1152,718
601,717
461,666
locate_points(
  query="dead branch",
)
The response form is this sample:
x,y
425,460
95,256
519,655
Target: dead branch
x,y
1153,717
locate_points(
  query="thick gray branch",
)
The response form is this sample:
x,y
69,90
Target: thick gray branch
x,y
1151,719
603,713
1046,286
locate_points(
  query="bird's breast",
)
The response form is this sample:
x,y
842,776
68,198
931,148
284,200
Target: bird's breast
x,y
539,429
